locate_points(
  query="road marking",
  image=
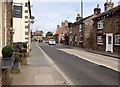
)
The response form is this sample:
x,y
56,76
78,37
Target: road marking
x,y
56,67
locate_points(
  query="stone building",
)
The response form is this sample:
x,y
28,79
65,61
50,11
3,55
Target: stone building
x,y
5,34
61,31
106,29
75,31
80,32
5,23
88,29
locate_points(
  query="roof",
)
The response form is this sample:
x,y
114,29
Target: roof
x,y
109,11
59,30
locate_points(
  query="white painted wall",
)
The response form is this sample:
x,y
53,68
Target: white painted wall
x,y
19,24
0,28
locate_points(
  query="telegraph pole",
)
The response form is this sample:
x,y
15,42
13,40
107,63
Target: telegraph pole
x,y
82,8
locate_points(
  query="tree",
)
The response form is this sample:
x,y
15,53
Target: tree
x,y
49,33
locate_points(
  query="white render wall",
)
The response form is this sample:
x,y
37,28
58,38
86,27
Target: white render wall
x,y
19,23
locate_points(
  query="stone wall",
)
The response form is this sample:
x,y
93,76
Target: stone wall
x,y
111,25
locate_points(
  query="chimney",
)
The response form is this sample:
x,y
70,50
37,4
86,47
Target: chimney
x,y
58,26
108,5
66,23
78,17
62,24
97,10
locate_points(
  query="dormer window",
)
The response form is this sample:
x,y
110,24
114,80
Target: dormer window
x,y
100,24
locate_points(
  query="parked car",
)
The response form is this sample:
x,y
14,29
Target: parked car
x,y
52,42
46,41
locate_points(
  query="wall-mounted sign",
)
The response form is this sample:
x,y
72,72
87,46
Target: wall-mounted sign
x,y
17,11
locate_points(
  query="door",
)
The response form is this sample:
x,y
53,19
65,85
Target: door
x,y
109,43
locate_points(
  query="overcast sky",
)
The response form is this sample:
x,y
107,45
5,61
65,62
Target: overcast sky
x,y
50,13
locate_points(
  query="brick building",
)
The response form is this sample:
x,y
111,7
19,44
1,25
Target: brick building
x,y
37,35
75,31
106,29
80,32
61,31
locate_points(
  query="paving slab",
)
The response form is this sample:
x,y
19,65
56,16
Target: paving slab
x,y
39,71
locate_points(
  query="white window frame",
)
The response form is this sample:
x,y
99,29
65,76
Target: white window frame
x,y
70,29
100,24
62,34
99,42
80,27
76,38
116,39
80,39
71,38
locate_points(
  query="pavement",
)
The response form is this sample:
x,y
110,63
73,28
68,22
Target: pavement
x,y
39,71
102,60
81,71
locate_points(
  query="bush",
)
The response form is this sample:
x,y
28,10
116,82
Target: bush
x,y
7,51
17,57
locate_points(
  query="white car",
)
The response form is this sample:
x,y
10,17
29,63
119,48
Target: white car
x,y
52,42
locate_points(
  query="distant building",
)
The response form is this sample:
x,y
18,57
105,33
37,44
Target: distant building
x,y
37,35
60,33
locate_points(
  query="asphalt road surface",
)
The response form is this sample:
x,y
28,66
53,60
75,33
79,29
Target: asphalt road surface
x,y
79,71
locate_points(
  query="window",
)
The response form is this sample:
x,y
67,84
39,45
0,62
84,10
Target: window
x,y
100,24
70,38
70,29
80,27
81,40
117,39
75,38
100,40
62,34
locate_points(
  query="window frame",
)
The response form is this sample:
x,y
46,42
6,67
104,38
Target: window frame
x,y
100,25
116,38
99,42
80,27
62,34
71,37
70,29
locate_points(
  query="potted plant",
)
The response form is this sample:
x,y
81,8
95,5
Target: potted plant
x,y
16,65
7,51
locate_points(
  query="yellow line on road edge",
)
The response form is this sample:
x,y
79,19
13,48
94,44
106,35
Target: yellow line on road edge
x,y
57,68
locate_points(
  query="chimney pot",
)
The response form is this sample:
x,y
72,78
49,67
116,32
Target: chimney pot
x,y
97,5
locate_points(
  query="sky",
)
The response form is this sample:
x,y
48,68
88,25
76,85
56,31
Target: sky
x,y
50,13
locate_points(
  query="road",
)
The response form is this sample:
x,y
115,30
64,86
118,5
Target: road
x,y
78,70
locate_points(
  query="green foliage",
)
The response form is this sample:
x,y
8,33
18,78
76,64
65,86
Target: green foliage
x,y
7,51
17,57
49,33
